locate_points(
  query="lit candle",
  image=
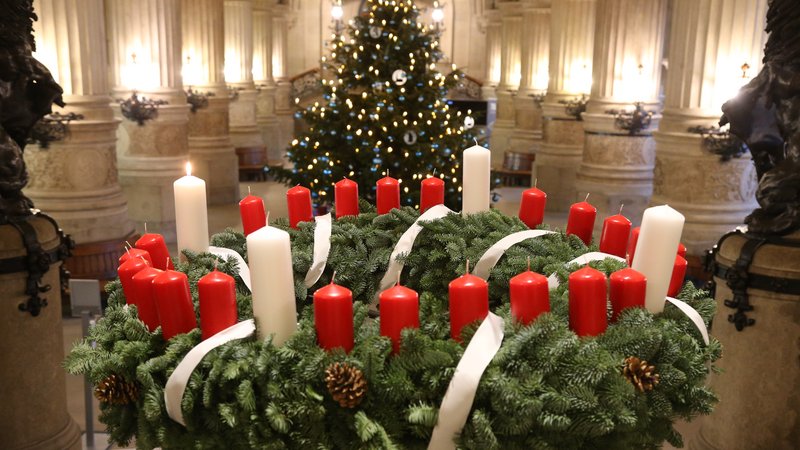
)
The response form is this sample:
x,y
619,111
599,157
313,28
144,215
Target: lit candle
x,y
333,317
531,207
678,276
627,289
469,302
298,201
399,309
587,302
431,193
632,244
614,237
346,198
126,271
388,194
270,256
251,209
581,220
530,296
145,297
191,216
174,303
217,292
154,244
136,253
476,179
655,252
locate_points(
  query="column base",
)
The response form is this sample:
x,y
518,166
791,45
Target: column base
x,y
557,161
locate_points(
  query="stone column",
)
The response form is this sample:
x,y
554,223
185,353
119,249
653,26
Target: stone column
x,y
262,74
210,150
534,66
710,40
570,70
75,179
145,56
282,21
617,166
509,79
245,134
492,26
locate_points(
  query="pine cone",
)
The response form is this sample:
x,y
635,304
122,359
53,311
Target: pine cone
x,y
640,374
346,384
116,390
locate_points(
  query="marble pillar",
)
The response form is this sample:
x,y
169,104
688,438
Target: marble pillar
x,y
510,72
244,131
210,150
282,21
265,84
535,53
75,179
491,24
570,78
617,166
145,57
710,40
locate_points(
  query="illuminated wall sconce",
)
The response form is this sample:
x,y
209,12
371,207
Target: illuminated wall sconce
x,y
635,121
438,17
576,106
140,109
720,142
745,67
337,12
196,99
51,128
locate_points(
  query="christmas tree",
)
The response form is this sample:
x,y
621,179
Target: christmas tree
x,y
384,110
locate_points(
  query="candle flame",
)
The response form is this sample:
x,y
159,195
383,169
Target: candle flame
x,y
188,169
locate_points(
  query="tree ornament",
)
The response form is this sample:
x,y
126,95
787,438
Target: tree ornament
x,y
640,374
375,32
469,122
399,77
410,137
346,384
116,390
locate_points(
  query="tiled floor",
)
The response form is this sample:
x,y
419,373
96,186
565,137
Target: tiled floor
x,y
221,217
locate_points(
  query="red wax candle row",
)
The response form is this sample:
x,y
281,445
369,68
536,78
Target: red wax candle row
x,y
387,196
587,298
154,244
162,298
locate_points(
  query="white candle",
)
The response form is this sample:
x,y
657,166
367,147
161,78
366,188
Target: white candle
x,y
191,216
476,179
270,256
655,252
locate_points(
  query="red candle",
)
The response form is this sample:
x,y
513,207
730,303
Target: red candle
x,y
388,194
614,237
135,253
681,250
530,296
587,302
469,301
431,193
254,216
581,221
174,303
154,244
217,292
145,297
678,276
632,244
531,208
333,317
399,309
346,198
298,200
627,289
126,271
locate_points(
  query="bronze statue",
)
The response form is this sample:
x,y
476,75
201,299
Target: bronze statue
x,y
27,93
766,115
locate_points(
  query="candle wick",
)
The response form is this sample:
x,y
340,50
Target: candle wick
x,y
167,266
587,196
333,277
266,222
143,260
467,269
248,190
145,228
529,263
398,279
434,171
476,141
620,208
536,182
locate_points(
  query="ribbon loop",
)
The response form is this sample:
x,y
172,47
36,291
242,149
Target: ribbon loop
x,y
490,258
241,266
322,248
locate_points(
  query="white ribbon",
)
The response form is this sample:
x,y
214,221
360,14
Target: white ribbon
x,y
458,399
586,258
489,259
241,266
176,384
322,247
405,243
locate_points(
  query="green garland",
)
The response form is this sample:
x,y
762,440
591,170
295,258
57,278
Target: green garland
x,y
546,388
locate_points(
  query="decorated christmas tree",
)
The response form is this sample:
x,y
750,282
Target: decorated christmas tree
x,y
384,110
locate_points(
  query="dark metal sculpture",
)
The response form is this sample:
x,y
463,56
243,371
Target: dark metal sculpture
x,y
52,128
576,106
766,116
197,100
635,121
720,142
140,109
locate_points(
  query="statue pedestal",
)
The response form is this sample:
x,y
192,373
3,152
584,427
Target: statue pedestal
x,y
759,402
34,413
